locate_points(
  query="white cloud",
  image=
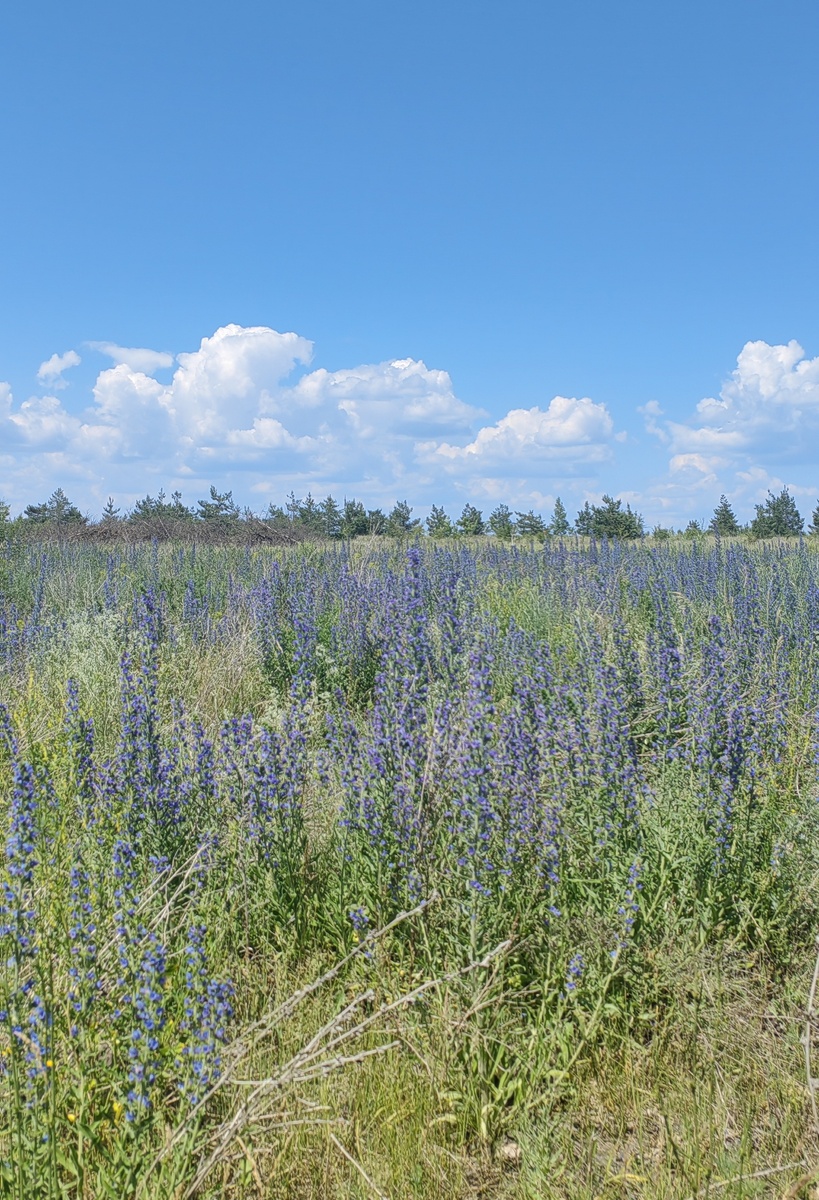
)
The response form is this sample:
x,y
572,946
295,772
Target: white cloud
x,y
134,357
705,464
243,402
268,434
134,410
224,383
42,422
651,414
766,415
403,395
51,371
770,403
756,482
569,428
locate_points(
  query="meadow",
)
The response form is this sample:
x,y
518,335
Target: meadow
x,y
409,869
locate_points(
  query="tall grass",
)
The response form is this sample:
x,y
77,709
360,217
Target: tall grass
x,y
407,871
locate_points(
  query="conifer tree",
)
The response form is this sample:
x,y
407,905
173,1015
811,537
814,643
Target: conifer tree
x,y
471,523
438,523
160,506
220,507
531,524
376,521
330,518
502,523
609,520
724,521
400,522
353,519
584,520
559,524
777,517
813,528
57,509
305,512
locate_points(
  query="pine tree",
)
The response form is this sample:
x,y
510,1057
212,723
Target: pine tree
x,y
376,521
559,524
353,519
308,513
584,520
291,507
501,522
4,512
724,521
177,511
438,523
400,522
531,524
609,520
110,514
276,515
777,517
160,507
220,507
57,510
330,518
813,528
471,523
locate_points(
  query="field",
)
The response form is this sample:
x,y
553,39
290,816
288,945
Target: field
x,y
435,870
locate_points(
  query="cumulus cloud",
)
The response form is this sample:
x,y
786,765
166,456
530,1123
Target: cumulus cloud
x,y
765,416
569,428
42,423
246,401
233,374
402,395
51,371
135,358
770,402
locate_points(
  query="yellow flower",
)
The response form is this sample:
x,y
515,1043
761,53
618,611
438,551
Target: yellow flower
x,y
49,1063
72,1117
118,1110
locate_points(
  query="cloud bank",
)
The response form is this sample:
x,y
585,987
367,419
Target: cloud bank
x,y
244,410
247,410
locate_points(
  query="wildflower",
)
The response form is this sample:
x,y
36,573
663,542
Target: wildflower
x,y
82,937
80,737
574,973
24,1008
148,1011
208,1010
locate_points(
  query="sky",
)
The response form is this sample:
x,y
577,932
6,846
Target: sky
x,y
426,251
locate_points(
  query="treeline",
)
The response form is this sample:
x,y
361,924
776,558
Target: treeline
x,y
220,518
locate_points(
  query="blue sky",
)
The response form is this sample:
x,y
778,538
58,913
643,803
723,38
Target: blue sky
x,y
432,250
